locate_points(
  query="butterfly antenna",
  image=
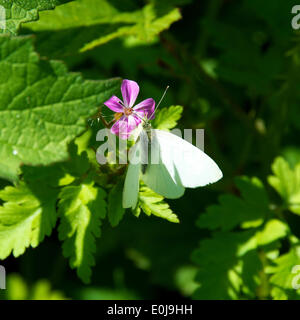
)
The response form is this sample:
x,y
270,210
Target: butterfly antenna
x,y
161,99
139,116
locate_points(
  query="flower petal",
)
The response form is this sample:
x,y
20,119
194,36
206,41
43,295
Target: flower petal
x,y
145,108
114,104
130,90
125,126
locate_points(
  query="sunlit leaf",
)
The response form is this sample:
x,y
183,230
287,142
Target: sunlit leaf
x,y
42,106
81,209
286,182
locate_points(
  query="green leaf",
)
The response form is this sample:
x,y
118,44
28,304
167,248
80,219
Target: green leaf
x,y
185,280
115,211
221,265
285,274
96,22
286,182
167,118
17,12
243,62
26,217
273,230
42,106
152,203
231,260
231,263
17,289
79,163
99,293
250,210
173,2
292,155
42,291
147,27
80,210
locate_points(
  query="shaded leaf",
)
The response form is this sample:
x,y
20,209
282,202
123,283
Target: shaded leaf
x,y
99,21
250,210
220,265
152,204
115,210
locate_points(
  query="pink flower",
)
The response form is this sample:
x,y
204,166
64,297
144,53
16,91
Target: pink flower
x,y
130,115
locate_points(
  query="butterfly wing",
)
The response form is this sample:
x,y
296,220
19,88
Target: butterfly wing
x,y
158,175
174,164
189,166
131,185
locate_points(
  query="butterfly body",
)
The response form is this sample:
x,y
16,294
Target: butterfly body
x,y
147,143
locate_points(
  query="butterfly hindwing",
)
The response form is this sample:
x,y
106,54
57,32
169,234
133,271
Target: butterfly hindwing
x,y
159,175
189,165
132,180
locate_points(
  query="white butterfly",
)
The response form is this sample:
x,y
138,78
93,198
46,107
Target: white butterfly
x,y
167,164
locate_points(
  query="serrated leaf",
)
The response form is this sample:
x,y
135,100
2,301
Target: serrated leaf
x,y
26,217
239,268
42,106
249,210
115,210
96,22
273,230
145,31
167,118
152,203
81,209
15,12
231,259
286,182
221,265
286,275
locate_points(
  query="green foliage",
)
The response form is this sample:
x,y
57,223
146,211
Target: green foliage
x,y
115,211
185,280
284,276
152,204
286,182
99,21
42,106
249,211
107,294
232,66
167,118
17,289
232,264
80,209
21,11
26,217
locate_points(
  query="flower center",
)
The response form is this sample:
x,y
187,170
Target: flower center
x,y
128,111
